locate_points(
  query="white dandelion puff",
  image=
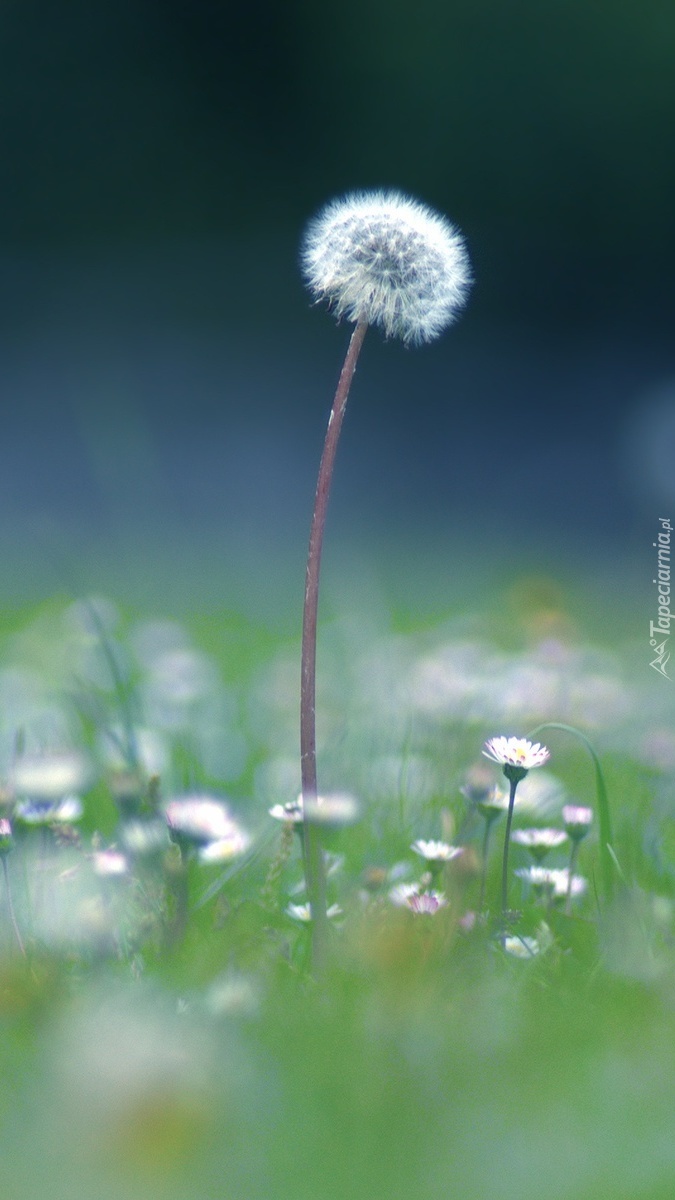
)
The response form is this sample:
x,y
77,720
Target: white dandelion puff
x,y
383,259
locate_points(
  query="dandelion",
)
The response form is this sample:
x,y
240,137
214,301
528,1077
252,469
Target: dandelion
x,y
516,756
377,259
383,259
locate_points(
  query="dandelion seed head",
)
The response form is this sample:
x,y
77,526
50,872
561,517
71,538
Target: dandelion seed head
x,y
382,258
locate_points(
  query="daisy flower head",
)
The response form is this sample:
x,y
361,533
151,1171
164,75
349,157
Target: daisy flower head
x,y
539,841
436,852
198,820
521,947
577,819
516,755
426,903
383,259
303,912
554,882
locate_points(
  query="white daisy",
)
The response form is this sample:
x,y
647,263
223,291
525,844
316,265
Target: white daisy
x,y
436,851
516,752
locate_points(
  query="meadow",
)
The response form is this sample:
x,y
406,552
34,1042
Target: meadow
x,y
164,1033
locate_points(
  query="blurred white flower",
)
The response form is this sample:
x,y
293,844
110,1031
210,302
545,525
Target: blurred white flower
x,y
333,809
577,820
236,843
539,841
521,947
553,881
50,777
109,863
436,851
427,903
303,912
200,819
61,812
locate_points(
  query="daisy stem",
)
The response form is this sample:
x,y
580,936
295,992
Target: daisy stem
x,y
483,874
573,862
513,783
315,875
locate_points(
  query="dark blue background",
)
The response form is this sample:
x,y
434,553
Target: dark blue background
x,y
164,380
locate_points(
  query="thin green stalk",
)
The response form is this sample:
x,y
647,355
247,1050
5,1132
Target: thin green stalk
x,y
315,874
574,854
604,819
10,907
513,784
483,874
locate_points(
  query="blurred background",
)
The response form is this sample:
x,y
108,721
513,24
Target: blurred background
x,y
165,381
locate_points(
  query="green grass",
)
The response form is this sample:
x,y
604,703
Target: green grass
x,y
426,1060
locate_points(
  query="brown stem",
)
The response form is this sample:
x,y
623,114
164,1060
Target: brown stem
x,y
315,875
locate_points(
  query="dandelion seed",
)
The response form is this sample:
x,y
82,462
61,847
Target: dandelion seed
x,y
383,259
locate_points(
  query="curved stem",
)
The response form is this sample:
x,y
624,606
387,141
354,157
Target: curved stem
x,y
607,857
315,875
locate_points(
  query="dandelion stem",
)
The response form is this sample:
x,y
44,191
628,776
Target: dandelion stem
x,y
507,839
315,876
10,907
